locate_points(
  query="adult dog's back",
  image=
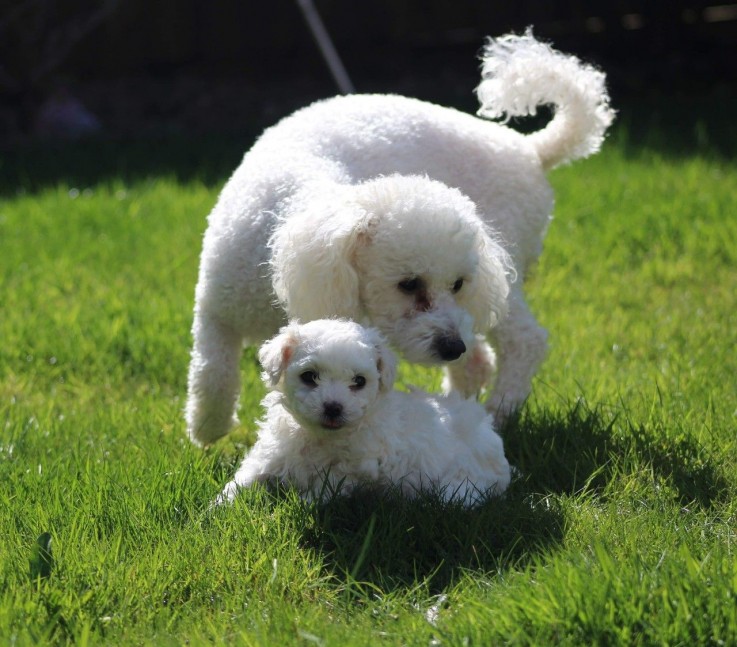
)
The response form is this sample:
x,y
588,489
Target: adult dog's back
x,y
304,228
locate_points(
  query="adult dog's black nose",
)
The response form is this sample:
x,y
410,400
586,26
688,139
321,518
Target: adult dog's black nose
x,y
449,348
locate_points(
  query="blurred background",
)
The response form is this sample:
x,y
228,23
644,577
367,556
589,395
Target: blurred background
x,y
153,68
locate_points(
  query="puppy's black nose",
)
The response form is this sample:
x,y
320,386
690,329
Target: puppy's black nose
x,y
449,348
332,410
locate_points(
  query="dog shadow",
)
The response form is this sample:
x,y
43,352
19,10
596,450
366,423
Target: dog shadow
x,y
389,541
565,452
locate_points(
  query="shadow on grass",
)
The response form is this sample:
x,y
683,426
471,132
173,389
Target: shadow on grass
x,y
565,452
391,542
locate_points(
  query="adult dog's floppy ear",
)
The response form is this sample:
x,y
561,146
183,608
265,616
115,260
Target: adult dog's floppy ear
x,y
312,258
387,365
386,360
486,298
274,355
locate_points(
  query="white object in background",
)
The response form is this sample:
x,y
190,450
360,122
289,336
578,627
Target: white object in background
x,y
327,49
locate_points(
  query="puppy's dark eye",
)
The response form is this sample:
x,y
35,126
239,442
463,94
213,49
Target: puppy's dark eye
x,y
409,286
309,378
457,286
358,382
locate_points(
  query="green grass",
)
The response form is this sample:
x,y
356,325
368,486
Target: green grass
x,y
620,529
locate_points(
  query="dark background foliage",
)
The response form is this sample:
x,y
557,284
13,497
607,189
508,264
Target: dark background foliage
x,y
195,66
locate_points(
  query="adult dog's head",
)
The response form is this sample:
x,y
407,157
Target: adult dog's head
x,y
405,254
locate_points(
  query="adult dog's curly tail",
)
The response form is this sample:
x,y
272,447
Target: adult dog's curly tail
x,y
520,73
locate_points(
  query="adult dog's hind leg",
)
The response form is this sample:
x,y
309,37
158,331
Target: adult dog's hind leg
x,y
214,381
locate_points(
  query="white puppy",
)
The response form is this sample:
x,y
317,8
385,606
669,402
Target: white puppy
x,y
333,421
411,217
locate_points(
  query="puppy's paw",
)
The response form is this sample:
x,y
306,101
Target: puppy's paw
x,y
226,496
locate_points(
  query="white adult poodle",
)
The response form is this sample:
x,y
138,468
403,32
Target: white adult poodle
x,y
414,218
333,422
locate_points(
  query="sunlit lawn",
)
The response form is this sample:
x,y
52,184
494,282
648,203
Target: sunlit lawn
x,y
620,528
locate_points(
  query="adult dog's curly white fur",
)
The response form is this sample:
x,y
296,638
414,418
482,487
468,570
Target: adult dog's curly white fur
x,y
333,422
415,218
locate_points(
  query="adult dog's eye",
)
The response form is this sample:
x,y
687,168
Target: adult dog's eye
x,y
358,382
309,378
457,286
409,286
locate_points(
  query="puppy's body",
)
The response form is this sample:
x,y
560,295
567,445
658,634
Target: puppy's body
x,y
384,438
413,441
415,218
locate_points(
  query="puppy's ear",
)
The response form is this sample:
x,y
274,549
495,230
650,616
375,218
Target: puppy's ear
x,y
274,355
386,360
486,298
312,258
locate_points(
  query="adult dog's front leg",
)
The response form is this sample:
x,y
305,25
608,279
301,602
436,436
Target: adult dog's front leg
x,y
521,345
214,381
473,372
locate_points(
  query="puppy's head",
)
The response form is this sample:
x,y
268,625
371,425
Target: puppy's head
x,y
407,254
329,372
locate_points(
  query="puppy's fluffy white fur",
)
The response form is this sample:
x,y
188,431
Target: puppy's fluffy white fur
x,y
333,421
411,217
